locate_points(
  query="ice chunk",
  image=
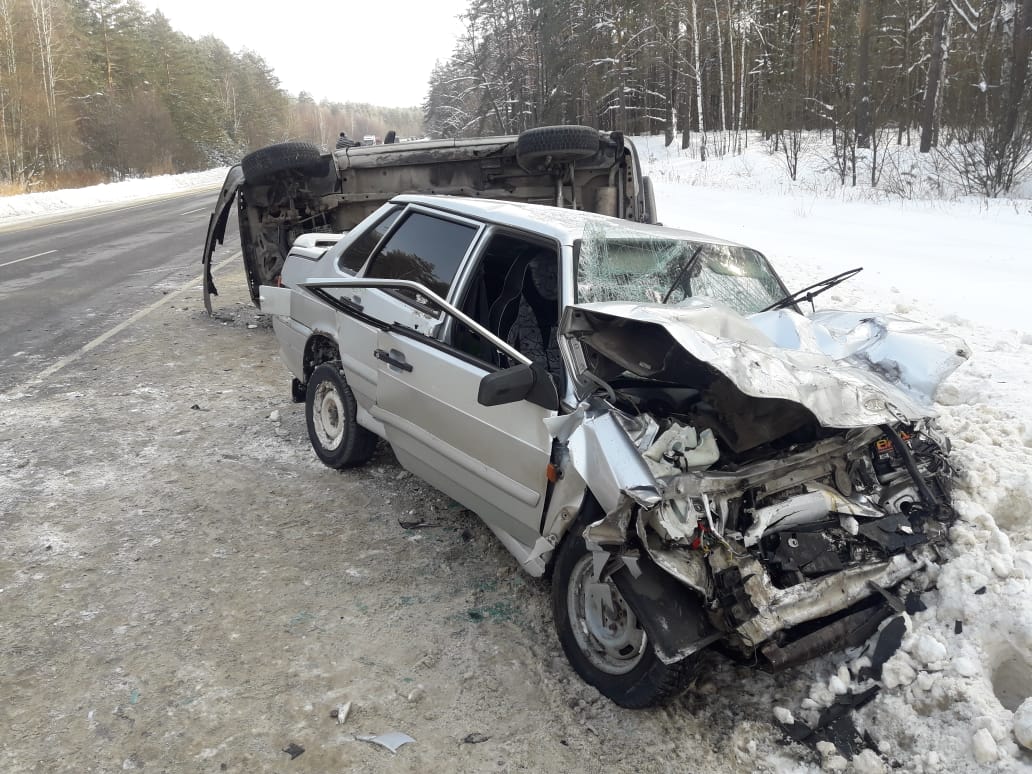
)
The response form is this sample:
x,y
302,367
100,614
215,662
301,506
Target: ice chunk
x,y
929,651
1023,724
983,746
965,667
868,762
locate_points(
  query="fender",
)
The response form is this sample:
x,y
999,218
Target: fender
x,y
671,615
217,228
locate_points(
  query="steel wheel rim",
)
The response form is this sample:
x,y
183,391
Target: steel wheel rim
x,y
328,416
605,628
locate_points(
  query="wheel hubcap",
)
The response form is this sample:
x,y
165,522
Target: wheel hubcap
x,y
328,416
605,628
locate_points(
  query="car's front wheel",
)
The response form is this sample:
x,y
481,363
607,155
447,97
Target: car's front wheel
x,y
330,408
602,638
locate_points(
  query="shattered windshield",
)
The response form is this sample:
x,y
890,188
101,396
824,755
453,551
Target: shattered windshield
x,y
623,264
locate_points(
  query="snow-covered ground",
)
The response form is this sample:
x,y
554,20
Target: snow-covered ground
x,y
52,202
949,696
958,694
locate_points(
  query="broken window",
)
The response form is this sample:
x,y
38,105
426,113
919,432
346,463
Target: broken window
x,y
618,263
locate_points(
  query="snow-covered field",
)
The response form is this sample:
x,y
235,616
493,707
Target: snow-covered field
x,y
958,694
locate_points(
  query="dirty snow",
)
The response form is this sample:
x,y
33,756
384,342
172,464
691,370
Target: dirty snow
x,y
957,696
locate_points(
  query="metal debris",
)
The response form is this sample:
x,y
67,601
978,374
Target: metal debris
x,y
392,740
293,750
418,524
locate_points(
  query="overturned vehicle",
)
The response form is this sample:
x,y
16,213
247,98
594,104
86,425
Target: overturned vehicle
x,y
643,413
285,190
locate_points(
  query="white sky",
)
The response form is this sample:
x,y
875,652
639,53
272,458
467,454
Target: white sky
x,y
345,51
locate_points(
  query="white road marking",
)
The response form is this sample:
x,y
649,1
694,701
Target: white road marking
x,y
19,260
191,212
67,359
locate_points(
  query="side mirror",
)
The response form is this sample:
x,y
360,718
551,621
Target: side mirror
x,y
519,382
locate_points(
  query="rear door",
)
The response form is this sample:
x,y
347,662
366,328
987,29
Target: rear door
x,y
422,246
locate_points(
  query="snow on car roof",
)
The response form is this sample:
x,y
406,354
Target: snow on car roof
x,y
563,224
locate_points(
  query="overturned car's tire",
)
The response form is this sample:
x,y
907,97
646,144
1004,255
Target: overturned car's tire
x,y
601,636
558,144
330,407
265,163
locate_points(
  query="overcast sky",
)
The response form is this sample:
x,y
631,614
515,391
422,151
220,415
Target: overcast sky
x,y
344,51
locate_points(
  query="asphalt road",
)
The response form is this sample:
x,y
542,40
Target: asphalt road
x,y
68,278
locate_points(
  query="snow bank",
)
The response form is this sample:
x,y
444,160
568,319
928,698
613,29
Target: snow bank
x,y
29,205
956,696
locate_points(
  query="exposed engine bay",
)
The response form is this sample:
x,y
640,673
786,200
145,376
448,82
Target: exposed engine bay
x,y
790,516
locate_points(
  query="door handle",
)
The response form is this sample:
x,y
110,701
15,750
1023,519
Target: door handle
x,y
389,359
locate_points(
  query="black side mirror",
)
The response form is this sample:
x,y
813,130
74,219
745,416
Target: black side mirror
x,y
519,382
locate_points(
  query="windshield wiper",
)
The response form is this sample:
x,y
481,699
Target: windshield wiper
x,y
814,290
684,270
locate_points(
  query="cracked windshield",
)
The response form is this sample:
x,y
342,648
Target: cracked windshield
x,y
627,264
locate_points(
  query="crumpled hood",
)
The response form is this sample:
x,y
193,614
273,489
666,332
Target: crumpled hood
x,y
849,369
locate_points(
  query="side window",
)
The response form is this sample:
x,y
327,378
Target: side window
x,y
354,257
424,249
514,293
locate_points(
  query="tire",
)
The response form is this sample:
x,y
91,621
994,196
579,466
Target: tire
x,y
337,438
265,163
555,144
628,671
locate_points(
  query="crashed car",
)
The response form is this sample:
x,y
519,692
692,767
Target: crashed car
x,y
643,413
285,190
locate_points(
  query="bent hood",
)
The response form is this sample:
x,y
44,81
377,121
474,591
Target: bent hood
x,y
848,369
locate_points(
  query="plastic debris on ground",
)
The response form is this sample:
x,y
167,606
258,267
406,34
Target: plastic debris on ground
x,y
340,712
392,741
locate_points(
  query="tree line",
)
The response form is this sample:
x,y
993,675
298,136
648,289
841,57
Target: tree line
x,y
97,90
943,74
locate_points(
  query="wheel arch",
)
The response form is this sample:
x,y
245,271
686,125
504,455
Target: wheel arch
x,y
320,348
674,616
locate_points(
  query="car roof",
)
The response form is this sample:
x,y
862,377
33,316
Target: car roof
x,y
565,225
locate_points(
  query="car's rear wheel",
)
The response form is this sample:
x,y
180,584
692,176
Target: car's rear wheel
x,y
265,163
330,408
556,144
601,636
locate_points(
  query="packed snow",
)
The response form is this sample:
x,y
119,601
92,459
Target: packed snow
x,y
957,695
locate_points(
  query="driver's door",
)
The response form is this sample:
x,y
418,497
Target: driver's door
x,y
492,459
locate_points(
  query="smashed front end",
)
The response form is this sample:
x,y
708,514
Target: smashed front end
x,y
781,473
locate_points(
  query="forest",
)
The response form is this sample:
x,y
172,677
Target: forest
x,y
947,75
99,90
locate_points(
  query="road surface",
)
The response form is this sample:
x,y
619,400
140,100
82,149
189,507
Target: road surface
x,y
66,279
